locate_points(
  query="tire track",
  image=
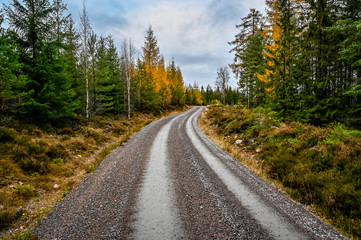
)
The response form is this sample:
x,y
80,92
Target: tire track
x,y
170,181
279,227
208,209
102,207
157,216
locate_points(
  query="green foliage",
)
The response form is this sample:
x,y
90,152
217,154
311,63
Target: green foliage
x,y
318,166
339,134
305,63
147,99
7,135
12,82
26,191
26,235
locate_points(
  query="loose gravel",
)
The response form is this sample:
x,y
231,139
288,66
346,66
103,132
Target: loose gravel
x,y
102,207
202,187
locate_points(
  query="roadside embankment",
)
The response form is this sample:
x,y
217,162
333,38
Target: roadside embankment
x,y
319,167
39,166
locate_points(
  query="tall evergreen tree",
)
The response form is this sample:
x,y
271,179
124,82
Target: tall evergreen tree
x,y
151,53
175,80
147,97
114,74
246,56
12,80
51,95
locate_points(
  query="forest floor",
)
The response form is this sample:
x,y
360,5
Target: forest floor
x,y
319,167
39,166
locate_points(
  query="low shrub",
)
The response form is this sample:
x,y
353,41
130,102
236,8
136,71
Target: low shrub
x,y
57,151
66,131
7,135
26,191
6,219
317,166
39,164
76,146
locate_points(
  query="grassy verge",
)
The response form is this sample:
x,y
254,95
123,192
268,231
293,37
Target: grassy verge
x,y
39,166
319,167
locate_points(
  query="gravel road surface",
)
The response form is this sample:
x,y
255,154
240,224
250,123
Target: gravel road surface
x,y
170,181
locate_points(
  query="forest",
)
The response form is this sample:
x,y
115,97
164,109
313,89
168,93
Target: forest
x,y
68,96
302,59
54,69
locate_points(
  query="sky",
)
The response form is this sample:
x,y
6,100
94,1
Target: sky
x,y
195,32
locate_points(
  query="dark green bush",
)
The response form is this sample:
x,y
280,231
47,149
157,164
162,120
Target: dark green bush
x,y
7,135
6,219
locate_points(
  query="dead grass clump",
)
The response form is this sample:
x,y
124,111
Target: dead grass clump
x,y
76,145
57,151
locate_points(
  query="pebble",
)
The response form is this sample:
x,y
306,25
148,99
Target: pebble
x,y
239,142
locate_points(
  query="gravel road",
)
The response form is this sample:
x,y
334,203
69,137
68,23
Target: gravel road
x,y
170,181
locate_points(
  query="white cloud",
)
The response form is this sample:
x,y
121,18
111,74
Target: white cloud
x,y
194,32
195,29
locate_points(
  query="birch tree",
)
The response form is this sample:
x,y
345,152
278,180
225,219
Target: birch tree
x,y
85,33
222,81
127,63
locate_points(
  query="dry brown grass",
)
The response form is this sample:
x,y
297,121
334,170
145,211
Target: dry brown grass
x,y
45,166
319,167
248,158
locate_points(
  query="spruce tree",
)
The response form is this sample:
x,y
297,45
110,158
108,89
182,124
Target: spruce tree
x,y
147,97
51,97
12,80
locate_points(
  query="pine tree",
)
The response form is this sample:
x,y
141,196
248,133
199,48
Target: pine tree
x,y
147,97
51,97
155,66
348,27
12,81
114,75
254,65
71,49
175,80
151,54
246,55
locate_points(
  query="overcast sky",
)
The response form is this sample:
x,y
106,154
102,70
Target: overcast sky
x,y
194,32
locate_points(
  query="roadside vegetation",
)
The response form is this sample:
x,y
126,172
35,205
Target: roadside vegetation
x,y
40,165
319,167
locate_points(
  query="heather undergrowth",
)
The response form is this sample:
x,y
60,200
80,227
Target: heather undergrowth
x,y
319,167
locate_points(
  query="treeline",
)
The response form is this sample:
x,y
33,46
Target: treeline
x,y
51,71
195,95
303,59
